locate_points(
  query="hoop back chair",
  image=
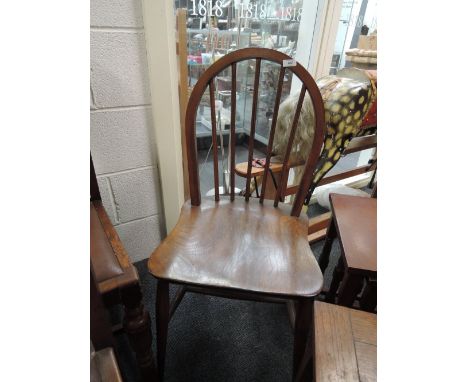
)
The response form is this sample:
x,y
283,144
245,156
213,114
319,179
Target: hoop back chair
x,y
238,247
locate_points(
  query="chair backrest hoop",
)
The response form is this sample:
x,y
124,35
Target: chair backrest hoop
x,y
199,89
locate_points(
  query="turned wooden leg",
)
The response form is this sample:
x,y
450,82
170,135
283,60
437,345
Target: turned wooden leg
x,y
100,328
162,322
350,288
325,255
304,325
137,325
335,283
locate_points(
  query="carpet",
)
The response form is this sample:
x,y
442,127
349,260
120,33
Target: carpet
x,y
217,339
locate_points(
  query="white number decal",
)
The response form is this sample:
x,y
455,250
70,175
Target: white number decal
x,y
194,9
263,11
249,11
218,9
256,11
202,7
299,14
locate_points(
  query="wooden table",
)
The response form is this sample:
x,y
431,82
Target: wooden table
x,y
355,224
345,344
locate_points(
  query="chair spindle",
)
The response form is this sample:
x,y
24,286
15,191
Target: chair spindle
x,y
272,132
252,128
285,169
206,80
214,141
232,184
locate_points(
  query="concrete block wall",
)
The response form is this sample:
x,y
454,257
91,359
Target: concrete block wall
x,y
122,136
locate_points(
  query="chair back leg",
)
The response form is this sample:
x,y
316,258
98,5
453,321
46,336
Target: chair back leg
x,y
162,323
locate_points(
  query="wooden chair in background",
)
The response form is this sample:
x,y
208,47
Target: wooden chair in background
x,y
354,223
117,281
238,247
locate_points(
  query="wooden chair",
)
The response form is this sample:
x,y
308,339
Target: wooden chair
x,y
238,247
117,281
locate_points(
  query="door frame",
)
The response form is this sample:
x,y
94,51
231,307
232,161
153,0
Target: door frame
x,y
159,22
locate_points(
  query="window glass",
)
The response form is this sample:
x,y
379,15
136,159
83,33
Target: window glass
x,y
217,27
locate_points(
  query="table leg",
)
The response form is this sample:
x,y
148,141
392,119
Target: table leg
x,y
325,255
303,328
350,288
369,295
337,277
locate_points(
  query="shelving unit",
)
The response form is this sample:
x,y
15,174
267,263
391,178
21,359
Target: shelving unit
x,y
203,46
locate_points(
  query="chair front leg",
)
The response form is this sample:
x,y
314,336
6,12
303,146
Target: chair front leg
x,y
304,325
137,325
162,323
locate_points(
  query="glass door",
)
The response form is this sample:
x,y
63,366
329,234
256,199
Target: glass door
x,y
217,27
357,30
358,17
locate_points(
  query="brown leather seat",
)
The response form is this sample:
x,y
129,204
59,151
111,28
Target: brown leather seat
x,y
103,258
110,261
239,245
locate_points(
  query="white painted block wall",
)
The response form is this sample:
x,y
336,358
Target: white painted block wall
x,y
122,136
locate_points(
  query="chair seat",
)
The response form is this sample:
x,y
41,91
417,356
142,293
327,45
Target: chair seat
x,y
103,259
110,261
239,245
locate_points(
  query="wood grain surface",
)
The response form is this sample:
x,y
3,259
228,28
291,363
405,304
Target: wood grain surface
x,y
241,245
112,236
345,344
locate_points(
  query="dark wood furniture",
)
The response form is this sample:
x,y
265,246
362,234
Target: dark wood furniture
x,y
117,281
345,344
355,224
104,365
238,247
100,326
